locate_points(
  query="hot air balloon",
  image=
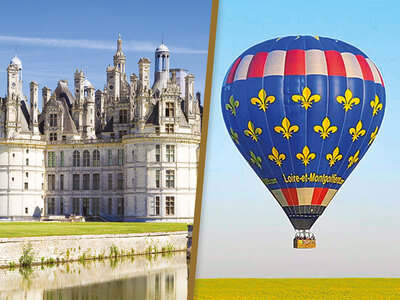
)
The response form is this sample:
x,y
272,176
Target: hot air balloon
x,y
303,111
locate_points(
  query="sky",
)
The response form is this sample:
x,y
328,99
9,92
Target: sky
x,y
54,38
243,231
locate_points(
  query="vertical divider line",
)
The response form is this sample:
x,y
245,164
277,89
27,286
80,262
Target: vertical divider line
x,y
203,148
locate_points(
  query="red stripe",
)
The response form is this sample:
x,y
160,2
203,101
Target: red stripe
x,y
335,63
380,76
291,196
318,196
295,62
256,67
232,71
367,73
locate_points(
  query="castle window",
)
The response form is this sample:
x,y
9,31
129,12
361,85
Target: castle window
x,y
109,157
170,153
86,158
53,136
26,174
62,159
120,206
76,159
170,206
61,182
51,204
133,155
169,128
112,136
75,181
96,181
120,157
123,116
96,206
64,137
26,185
51,159
158,172
53,120
122,133
27,150
157,206
27,161
158,153
86,180
120,182
169,109
170,178
157,129
96,158
110,183
110,206
75,206
26,210
51,182
61,206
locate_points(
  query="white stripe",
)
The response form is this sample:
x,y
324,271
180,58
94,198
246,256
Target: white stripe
x,y
316,62
352,66
328,197
305,195
275,64
375,73
280,197
242,69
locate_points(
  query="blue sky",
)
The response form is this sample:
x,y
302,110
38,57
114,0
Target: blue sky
x,y
244,232
54,38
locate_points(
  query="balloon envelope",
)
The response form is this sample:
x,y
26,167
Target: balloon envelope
x,y
303,111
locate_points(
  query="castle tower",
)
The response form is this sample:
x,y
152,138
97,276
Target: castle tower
x,y
189,96
119,58
113,83
14,96
34,107
144,74
89,120
161,73
77,110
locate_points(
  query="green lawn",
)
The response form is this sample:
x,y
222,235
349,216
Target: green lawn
x,y
19,229
324,288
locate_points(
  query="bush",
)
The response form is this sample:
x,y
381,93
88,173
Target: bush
x,y
27,257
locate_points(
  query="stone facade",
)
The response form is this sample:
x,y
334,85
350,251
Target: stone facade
x,y
128,152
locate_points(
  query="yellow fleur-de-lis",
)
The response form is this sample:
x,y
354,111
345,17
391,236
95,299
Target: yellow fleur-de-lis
x,y
348,101
232,105
376,105
277,157
357,131
286,129
306,99
306,156
353,159
255,159
234,136
262,101
252,131
325,129
373,135
333,157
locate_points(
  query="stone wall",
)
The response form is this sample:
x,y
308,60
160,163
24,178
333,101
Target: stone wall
x,y
68,248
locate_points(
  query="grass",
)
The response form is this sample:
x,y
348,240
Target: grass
x,y
25,229
324,288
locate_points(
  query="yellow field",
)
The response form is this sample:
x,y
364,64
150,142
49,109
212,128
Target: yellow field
x,y
324,288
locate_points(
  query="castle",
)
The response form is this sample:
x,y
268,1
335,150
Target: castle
x,y
128,152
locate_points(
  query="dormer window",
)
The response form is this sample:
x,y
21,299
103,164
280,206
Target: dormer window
x,y
169,109
123,116
53,136
53,120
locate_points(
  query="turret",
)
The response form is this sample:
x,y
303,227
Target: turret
x,y
79,88
161,73
113,82
119,58
34,107
89,122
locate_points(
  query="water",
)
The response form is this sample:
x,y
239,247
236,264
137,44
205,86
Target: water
x,y
138,277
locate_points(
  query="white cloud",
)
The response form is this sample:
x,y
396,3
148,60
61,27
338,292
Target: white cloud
x,y
129,46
